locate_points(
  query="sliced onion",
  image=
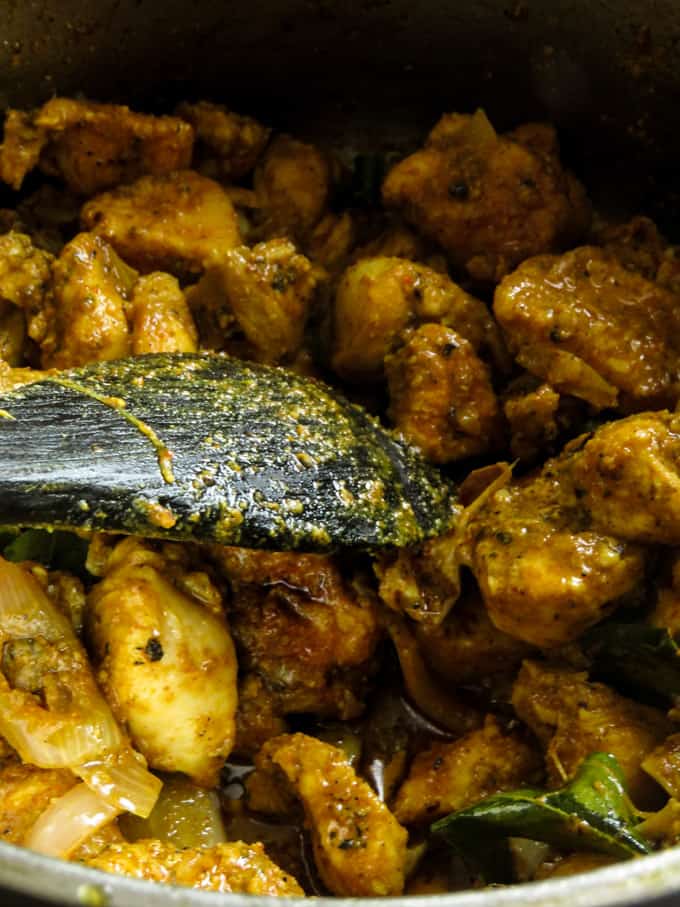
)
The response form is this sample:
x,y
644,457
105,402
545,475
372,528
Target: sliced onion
x,y
76,728
122,780
70,821
53,741
185,815
437,703
72,728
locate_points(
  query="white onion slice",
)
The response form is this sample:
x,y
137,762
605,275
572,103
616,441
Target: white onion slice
x,y
123,780
61,734
70,821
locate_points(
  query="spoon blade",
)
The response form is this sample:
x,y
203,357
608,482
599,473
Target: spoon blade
x,y
206,447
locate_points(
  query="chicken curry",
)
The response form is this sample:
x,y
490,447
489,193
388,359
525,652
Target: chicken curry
x,y
497,704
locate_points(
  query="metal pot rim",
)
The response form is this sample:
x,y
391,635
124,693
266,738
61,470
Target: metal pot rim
x,y
622,885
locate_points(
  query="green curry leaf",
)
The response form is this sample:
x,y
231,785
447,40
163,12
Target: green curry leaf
x,y
57,550
591,813
643,656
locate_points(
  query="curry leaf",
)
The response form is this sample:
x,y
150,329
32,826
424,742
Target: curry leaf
x,y
641,655
592,812
57,550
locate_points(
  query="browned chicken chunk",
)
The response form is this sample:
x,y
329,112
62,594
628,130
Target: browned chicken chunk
x,y
91,289
92,146
25,273
545,574
441,396
258,717
628,475
466,646
233,143
590,327
572,718
20,151
637,244
160,318
235,868
490,201
166,663
179,222
301,627
330,242
293,186
663,764
359,847
378,298
451,776
423,582
537,415
266,290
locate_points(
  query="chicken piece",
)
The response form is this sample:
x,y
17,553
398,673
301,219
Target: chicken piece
x,y
538,416
663,764
637,244
668,275
92,146
330,242
545,574
97,843
10,378
663,827
50,216
86,321
12,334
305,631
268,289
25,273
628,475
26,283
640,247
212,314
441,396
666,611
395,241
421,582
235,868
451,776
293,185
378,298
466,647
160,316
179,222
257,718
359,847
25,793
23,141
573,718
490,201
232,141
166,664
591,328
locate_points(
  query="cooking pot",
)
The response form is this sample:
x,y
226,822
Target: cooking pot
x,y
369,75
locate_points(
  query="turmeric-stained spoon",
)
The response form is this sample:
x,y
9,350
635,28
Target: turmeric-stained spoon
x,y
208,447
